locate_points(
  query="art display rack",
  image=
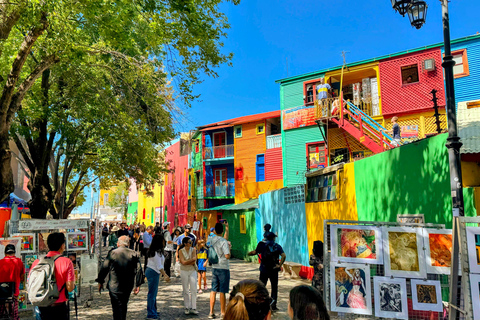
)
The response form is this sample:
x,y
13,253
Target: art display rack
x,y
378,270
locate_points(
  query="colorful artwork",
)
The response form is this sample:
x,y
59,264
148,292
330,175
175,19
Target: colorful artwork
x,y
390,297
357,244
298,117
28,242
42,242
473,244
29,260
404,256
475,290
22,301
426,295
438,250
6,241
350,288
77,241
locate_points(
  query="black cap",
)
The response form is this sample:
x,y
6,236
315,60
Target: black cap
x,y
10,248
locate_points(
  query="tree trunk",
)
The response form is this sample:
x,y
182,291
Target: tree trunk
x,y
6,175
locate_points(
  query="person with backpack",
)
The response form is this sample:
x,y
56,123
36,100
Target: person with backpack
x,y
168,247
12,270
51,301
270,264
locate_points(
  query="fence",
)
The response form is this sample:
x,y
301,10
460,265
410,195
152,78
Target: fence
x,y
274,141
218,152
384,279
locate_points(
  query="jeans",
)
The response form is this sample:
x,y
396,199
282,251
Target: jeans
x,y
152,278
104,240
168,262
119,305
60,312
273,276
189,282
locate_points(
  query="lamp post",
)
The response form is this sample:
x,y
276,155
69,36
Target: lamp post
x,y
417,11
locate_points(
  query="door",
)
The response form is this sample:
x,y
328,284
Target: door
x,y
260,166
219,140
220,182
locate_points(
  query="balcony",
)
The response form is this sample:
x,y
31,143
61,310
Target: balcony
x,y
274,141
223,190
219,153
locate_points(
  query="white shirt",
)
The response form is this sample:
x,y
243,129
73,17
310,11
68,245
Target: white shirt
x,y
156,263
221,248
168,237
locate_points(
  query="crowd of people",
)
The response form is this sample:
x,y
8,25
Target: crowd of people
x,y
122,273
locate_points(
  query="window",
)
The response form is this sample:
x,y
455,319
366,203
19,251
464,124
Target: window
x,y
322,187
189,205
260,168
205,223
410,74
460,69
260,128
196,144
243,224
309,91
316,154
197,178
105,199
238,131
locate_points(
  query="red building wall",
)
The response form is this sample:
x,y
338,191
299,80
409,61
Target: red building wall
x,y
400,98
273,164
177,184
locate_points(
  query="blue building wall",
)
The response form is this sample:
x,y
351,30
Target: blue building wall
x,y
209,136
288,222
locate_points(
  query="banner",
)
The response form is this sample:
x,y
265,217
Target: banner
x,y
40,224
298,117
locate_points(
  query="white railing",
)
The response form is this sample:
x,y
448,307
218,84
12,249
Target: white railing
x,y
274,141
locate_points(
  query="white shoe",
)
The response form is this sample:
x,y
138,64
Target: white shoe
x,y
200,291
193,311
187,311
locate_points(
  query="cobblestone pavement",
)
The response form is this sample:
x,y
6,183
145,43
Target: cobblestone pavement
x,y
170,300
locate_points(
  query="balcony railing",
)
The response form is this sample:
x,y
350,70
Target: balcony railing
x,y
220,190
218,152
328,108
274,141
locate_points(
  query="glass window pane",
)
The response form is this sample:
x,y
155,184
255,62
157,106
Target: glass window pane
x,y
458,69
458,58
322,153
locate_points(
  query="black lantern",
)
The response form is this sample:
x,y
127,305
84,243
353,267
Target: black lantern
x,y
417,13
401,6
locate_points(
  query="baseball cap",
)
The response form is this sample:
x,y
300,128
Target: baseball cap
x,y
166,223
10,248
270,236
212,229
188,226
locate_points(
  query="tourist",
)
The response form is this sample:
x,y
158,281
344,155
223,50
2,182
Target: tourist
x,y
105,234
123,230
266,229
12,270
187,233
249,300
112,241
124,272
221,270
316,261
154,269
395,132
168,247
269,264
202,259
176,264
64,276
306,303
188,259
147,240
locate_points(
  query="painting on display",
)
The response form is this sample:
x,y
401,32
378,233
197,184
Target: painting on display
x,y
404,254
438,250
473,244
6,241
475,290
22,301
426,295
29,260
77,241
356,244
28,241
390,295
350,288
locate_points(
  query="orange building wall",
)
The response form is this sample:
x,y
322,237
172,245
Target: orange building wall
x,y
246,149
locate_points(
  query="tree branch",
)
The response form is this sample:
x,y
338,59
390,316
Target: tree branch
x,y
25,155
8,24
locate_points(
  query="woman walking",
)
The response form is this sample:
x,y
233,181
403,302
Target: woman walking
x,y
112,240
188,272
153,271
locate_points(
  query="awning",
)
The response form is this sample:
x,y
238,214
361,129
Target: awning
x,y
250,204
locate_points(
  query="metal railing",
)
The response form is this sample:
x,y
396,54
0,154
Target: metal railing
x,y
218,152
274,141
220,190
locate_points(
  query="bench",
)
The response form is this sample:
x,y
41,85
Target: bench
x,y
292,268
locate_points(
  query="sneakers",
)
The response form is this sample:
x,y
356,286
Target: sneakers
x,y
193,311
200,291
187,311
212,316
205,288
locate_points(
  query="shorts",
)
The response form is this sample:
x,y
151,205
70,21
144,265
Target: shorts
x,y
220,280
202,271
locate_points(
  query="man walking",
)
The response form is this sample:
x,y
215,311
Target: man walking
x,y
123,230
124,271
168,252
221,270
64,276
269,264
147,241
12,270
187,233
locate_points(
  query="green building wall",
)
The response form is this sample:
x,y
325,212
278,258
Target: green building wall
x,y
412,179
132,208
242,243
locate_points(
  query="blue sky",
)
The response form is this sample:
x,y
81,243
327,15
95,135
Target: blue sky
x,y
311,35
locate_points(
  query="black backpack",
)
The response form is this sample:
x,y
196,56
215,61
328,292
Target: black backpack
x,y
270,257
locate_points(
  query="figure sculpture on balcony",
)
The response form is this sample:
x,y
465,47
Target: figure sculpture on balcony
x,y
323,90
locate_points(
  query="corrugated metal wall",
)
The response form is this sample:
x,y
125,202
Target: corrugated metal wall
x,y
468,88
273,164
294,153
246,149
292,93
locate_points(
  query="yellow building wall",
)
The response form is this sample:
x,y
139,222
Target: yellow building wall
x,y
344,208
251,190
102,195
470,174
424,120
151,202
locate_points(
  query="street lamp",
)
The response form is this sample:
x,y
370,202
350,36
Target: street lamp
x,y
401,6
417,11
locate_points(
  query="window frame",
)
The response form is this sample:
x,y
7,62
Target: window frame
x,y
235,131
258,126
308,145
466,70
243,224
305,84
401,74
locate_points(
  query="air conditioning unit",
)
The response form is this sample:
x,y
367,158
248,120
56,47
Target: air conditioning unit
x,y
429,65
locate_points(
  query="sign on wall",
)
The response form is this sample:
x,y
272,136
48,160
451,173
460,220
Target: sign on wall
x,y
39,224
298,117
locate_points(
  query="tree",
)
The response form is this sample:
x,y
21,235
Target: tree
x,y
92,57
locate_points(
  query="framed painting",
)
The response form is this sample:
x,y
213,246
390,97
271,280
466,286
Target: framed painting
x,y
350,288
29,260
28,242
356,244
77,241
404,254
426,295
475,290
390,296
438,250
473,245
6,241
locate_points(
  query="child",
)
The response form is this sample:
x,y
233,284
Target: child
x,y
202,259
